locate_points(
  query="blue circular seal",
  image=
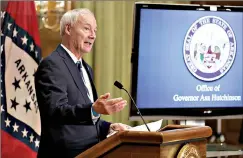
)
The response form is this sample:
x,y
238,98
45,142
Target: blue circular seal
x,y
209,48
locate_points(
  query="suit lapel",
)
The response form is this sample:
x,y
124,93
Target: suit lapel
x,y
73,71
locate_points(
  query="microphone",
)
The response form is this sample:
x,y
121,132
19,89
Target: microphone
x,y
120,86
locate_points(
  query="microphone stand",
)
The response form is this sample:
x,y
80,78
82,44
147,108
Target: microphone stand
x,y
138,111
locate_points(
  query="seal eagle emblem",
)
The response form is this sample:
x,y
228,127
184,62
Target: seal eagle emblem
x,y
209,48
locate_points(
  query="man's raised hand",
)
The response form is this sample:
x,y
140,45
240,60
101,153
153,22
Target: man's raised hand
x,y
106,106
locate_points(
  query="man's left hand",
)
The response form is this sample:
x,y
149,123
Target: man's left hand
x,y
119,127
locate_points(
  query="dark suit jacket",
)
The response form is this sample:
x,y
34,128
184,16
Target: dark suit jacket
x,y
67,127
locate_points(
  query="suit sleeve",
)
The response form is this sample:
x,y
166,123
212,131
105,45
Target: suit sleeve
x,y
104,127
52,97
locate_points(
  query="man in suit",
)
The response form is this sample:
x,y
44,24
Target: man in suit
x,y
69,106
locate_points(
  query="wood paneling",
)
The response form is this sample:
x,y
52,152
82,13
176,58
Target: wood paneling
x,y
49,41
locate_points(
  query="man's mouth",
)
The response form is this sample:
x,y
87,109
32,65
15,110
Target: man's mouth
x,y
89,43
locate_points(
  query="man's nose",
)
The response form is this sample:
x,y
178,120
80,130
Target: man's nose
x,y
92,35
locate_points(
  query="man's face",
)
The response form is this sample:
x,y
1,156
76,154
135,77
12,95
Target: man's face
x,y
83,33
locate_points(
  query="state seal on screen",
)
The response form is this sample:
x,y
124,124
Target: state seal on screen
x,y
209,48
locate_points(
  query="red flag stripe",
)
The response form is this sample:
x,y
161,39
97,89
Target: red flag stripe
x,y
12,147
26,8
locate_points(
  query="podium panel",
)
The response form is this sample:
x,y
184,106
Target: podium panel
x,y
171,141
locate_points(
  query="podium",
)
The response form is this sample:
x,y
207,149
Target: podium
x,y
171,141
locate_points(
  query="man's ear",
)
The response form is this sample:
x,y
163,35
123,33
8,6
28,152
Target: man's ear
x,y
68,29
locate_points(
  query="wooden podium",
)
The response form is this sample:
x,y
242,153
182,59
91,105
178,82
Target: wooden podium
x,y
171,141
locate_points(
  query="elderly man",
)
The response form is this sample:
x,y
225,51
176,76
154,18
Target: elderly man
x,y
69,106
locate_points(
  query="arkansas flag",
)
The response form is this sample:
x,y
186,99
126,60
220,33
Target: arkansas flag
x,y
20,56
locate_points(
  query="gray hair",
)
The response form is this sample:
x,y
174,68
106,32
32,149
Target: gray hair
x,y
71,17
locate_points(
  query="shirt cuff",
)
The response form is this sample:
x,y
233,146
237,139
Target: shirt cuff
x,y
94,114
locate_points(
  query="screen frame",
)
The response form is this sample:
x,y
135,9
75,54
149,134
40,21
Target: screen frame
x,y
175,113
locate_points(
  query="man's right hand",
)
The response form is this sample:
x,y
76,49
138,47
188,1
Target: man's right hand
x,y
106,106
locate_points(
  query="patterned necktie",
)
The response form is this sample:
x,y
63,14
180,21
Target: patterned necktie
x,y
79,65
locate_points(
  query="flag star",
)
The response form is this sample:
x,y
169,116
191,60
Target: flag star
x,y
16,84
24,40
27,106
32,47
7,122
24,133
36,54
31,138
14,103
2,110
9,25
37,143
2,14
15,32
15,127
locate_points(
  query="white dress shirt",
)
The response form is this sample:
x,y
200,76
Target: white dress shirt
x,y
86,79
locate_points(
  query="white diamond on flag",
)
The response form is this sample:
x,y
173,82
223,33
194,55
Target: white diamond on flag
x,y
21,65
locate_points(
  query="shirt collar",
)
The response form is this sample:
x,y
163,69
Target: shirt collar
x,y
74,58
